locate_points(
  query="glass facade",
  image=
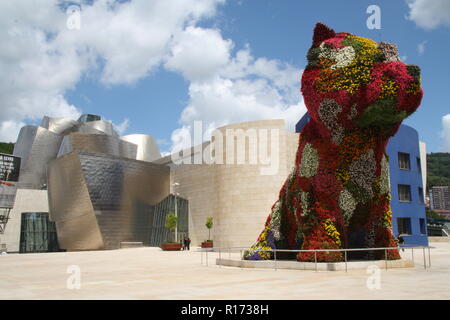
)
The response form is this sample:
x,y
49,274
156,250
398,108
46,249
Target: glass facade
x,y
158,232
88,118
38,233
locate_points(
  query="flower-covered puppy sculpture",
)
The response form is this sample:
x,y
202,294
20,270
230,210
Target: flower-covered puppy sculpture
x,y
357,93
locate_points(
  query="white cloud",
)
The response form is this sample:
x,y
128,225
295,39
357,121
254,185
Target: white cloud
x,y
446,133
244,89
198,53
421,47
41,58
429,14
120,43
9,130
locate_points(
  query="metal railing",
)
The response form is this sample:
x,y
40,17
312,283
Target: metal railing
x,y
274,251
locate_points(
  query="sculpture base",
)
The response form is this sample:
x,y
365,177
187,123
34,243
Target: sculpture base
x,y
320,266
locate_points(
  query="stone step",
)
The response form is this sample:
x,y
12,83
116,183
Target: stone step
x,y
129,244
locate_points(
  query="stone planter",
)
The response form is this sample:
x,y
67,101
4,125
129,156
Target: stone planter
x,y
207,244
171,246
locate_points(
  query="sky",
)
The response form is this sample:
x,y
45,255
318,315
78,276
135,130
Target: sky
x,y
155,66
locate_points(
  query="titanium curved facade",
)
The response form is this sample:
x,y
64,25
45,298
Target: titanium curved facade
x,y
59,125
37,146
147,148
55,137
100,143
98,201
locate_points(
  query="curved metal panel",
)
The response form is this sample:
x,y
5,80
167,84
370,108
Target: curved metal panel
x,y
59,125
44,148
101,125
118,193
147,148
24,142
70,206
100,143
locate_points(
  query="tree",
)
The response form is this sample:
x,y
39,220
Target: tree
x,y
433,214
6,147
209,225
171,222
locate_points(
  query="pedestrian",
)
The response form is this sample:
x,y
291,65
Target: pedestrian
x,y
188,243
183,247
400,240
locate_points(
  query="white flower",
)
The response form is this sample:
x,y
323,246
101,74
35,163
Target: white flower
x,y
275,221
309,162
385,184
328,112
362,171
342,57
348,204
305,202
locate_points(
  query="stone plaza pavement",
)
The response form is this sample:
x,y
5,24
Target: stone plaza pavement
x,y
149,273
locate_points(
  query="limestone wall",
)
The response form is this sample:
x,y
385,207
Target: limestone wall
x,y
238,196
26,201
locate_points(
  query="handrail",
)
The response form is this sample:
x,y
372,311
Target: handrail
x,y
318,250
412,247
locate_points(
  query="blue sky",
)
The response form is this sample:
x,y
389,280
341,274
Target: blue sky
x,y
154,68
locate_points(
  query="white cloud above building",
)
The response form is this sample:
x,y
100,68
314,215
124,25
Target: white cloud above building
x,y
429,14
121,43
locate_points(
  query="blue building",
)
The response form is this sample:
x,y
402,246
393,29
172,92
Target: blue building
x,y
407,189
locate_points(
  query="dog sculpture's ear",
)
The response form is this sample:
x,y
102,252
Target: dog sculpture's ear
x,y
321,33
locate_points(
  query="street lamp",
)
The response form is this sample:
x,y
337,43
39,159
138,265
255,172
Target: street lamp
x,y
176,210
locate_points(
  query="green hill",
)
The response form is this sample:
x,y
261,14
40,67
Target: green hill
x,y
6,147
438,169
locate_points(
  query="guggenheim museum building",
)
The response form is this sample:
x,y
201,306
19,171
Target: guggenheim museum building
x,y
81,186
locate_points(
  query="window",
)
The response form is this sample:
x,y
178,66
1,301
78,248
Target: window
x,y
403,161
404,225
422,226
404,192
419,166
420,192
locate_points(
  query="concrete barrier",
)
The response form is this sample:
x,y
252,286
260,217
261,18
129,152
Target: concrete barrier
x,y
321,266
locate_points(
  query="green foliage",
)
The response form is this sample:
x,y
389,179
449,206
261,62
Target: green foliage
x,y
209,225
433,214
313,56
171,221
438,169
6,147
381,114
209,222
414,71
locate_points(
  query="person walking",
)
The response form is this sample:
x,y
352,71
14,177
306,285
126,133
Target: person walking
x,y
188,243
183,247
400,241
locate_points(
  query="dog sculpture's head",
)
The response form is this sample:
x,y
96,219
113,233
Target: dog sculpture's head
x,y
353,83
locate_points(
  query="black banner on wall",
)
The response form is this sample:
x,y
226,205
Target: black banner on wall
x,y
9,167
